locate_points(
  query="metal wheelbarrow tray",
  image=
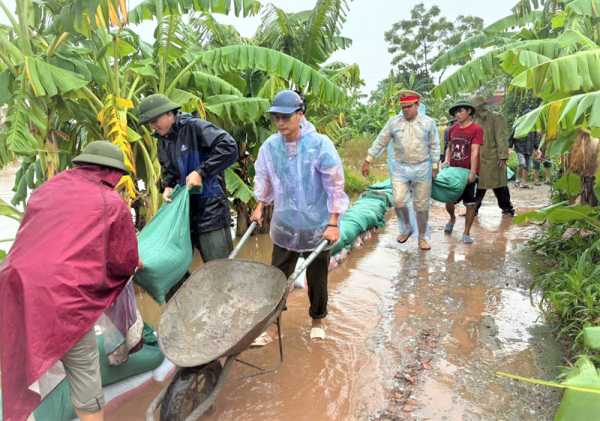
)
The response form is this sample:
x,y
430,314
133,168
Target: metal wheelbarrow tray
x,y
219,311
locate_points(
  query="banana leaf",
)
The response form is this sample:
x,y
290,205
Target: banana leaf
x,y
581,401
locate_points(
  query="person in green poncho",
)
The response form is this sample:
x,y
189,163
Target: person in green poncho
x,y
464,142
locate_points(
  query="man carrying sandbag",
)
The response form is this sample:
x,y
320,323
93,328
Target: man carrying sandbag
x,y
413,156
195,152
300,172
464,141
73,255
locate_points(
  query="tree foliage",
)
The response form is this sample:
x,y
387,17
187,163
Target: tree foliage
x,y
73,71
419,41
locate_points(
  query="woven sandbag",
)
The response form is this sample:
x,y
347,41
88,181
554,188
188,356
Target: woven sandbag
x,y
450,184
165,246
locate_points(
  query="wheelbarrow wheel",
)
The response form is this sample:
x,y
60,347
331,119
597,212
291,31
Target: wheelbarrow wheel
x,y
189,388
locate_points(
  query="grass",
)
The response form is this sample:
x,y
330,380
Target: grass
x,y
570,289
353,153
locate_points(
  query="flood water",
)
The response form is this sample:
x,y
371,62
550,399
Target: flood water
x,y
386,302
381,297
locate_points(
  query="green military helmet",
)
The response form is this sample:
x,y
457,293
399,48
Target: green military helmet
x,y
443,121
103,152
461,103
154,105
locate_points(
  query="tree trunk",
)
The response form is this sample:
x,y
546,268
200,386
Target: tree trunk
x,y
244,211
243,218
587,195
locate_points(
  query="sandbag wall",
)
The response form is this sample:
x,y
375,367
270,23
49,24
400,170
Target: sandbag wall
x,y
359,223
142,369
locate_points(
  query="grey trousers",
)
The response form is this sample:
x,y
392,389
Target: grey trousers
x,y
82,365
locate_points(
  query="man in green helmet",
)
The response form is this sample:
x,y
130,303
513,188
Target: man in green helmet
x,y
195,152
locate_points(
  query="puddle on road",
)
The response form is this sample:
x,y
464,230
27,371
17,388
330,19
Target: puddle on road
x,y
473,296
382,294
337,379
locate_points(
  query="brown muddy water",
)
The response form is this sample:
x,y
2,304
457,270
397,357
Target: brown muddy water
x,y
460,311
474,299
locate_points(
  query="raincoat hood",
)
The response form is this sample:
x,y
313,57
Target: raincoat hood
x,y
106,175
479,103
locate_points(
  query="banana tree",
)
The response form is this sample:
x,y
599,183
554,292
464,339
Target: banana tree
x,y
555,56
69,88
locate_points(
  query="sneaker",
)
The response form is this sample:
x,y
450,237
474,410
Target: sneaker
x,y
508,212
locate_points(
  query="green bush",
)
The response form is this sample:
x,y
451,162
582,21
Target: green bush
x,y
570,290
354,183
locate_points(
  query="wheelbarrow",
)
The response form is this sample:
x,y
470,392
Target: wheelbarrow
x,y
215,316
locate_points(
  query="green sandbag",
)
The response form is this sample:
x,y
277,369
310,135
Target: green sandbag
x,y
450,184
368,212
510,174
165,246
57,405
146,359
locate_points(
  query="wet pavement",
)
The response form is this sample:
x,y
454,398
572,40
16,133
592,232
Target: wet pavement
x,y
410,334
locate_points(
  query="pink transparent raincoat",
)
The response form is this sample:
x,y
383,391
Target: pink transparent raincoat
x,y
305,181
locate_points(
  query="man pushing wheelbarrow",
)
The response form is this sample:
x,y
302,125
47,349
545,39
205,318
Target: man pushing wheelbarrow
x,y
300,172
227,303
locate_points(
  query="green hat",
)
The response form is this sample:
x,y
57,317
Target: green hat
x,y
153,106
461,103
443,121
103,152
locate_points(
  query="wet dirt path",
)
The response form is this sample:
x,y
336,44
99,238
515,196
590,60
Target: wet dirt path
x,y
410,335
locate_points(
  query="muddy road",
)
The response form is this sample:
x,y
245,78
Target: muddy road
x,y
410,335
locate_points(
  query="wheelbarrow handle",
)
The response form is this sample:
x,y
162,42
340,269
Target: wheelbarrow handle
x,y
247,235
307,262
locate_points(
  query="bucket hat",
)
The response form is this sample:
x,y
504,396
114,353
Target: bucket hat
x,y
154,105
103,152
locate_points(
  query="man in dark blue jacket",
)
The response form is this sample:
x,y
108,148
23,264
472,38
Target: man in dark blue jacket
x,y
195,152
527,148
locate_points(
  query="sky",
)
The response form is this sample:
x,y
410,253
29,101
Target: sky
x,y
366,23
